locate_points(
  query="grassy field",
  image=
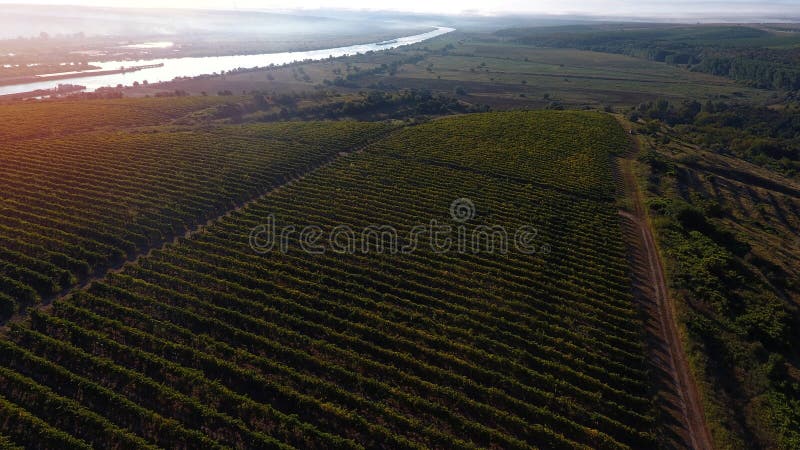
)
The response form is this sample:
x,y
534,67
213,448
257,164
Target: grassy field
x,y
572,77
751,54
206,343
490,71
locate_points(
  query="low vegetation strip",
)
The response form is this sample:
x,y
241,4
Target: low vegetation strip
x,y
219,341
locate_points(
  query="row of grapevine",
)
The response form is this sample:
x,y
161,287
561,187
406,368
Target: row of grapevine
x,y
54,119
74,206
209,343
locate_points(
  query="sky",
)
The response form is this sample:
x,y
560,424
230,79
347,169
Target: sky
x,y
605,8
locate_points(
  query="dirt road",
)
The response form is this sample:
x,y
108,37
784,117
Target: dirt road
x,y
683,423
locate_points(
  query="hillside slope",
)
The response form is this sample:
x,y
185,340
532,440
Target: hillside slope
x,y
219,340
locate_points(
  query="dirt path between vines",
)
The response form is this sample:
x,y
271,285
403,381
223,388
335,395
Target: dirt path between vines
x,y
683,422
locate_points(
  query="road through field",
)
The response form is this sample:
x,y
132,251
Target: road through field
x,y
683,420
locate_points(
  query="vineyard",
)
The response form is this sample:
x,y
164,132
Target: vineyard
x,y
206,343
28,120
73,207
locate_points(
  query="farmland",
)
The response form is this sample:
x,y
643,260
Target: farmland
x,y
206,343
579,236
490,70
41,120
75,206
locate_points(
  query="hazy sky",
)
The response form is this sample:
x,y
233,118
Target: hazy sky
x,y
659,8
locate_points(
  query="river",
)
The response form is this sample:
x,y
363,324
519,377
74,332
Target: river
x,y
194,66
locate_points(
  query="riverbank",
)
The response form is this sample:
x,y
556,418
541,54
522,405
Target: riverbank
x,y
169,69
68,75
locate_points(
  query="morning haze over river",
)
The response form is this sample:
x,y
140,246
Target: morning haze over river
x,y
169,68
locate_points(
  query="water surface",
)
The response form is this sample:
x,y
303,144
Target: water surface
x,y
194,66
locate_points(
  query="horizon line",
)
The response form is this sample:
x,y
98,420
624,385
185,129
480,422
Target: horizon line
x,y
744,17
